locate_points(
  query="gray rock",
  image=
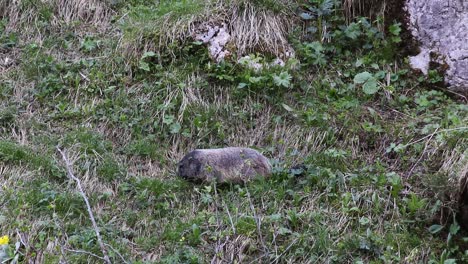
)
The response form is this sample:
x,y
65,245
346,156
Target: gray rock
x,y
223,165
441,26
217,37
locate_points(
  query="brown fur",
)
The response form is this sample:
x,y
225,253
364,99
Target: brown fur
x,y
223,165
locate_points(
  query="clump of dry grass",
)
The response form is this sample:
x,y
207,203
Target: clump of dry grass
x,y
259,29
253,27
13,11
95,12
449,182
455,166
154,28
157,28
368,8
25,14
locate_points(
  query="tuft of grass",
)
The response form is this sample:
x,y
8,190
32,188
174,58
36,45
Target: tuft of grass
x,y
53,13
158,26
371,9
254,26
16,154
260,26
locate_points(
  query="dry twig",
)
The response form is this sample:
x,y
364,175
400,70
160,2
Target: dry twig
x,y
88,206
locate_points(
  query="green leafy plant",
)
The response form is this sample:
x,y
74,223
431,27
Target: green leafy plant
x,y
368,81
314,53
395,31
144,65
283,79
318,10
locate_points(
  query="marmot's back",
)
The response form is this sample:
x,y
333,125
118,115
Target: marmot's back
x,y
231,164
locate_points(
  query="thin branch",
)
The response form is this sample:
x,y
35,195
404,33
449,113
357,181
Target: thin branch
x,y
117,252
219,246
84,252
436,132
257,221
422,154
286,250
230,218
88,206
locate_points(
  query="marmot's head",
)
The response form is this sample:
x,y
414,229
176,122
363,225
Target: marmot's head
x,y
190,167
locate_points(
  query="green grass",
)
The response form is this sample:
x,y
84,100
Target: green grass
x,y
383,148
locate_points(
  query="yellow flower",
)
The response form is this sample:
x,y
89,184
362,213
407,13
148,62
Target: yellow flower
x,y
4,240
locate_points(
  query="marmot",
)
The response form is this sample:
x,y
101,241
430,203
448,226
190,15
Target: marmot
x,y
233,164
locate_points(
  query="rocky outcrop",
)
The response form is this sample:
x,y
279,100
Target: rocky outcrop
x,y
441,27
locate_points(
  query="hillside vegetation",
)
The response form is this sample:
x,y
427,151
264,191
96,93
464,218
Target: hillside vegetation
x,y
123,91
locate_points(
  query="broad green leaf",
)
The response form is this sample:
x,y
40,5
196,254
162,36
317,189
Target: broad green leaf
x,y
316,46
168,119
370,87
175,128
364,221
362,77
241,85
306,16
454,228
144,66
284,231
395,29
284,79
287,107
396,39
89,44
359,63
255,79
353,31
434,229
148,54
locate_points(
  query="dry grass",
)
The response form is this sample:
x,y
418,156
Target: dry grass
x,y
368,8
252,28
95,12
258,130
255,29
450,165
27,13
159,27
455,167
139,216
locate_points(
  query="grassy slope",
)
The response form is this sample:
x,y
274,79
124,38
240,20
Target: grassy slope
x,y
379,166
